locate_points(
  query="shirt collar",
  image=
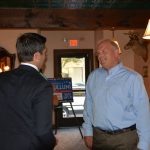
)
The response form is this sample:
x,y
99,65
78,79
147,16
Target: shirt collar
x,y
115,69
31,65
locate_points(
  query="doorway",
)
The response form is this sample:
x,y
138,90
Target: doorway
x,y
75,64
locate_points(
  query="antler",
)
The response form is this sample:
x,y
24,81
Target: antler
x,y
133,35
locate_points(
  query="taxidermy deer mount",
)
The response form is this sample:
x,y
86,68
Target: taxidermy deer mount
x,y
136,43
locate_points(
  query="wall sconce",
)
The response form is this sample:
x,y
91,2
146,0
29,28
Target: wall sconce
x,y
6,68
147,32
4,64
7,60
113,39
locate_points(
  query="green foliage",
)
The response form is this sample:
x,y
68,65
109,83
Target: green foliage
x,y
69,60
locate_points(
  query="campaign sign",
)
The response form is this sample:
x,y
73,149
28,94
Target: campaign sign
x,y
62,87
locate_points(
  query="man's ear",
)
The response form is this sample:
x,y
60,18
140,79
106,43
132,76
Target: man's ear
x,y
117,55
117,52
36,57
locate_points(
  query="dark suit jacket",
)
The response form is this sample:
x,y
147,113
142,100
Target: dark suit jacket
x,y
25,110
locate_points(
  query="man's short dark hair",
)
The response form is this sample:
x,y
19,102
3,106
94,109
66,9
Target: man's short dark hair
x,y
28,44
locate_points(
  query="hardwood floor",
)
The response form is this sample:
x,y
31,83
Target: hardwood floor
x,y
69,139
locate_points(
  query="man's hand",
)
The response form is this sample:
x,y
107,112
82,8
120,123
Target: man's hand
x,y
88,141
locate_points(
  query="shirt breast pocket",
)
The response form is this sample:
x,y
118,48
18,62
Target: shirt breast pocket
x,y
121,93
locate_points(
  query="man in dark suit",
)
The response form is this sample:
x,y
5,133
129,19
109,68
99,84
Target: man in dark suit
x,y
26,100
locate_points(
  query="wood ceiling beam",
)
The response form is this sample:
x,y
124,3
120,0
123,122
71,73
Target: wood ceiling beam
x,y
74,19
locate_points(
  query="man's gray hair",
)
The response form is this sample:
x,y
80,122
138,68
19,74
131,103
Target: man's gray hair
x,y
116,47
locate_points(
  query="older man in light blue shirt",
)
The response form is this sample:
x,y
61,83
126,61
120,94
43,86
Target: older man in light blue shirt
x,y
116,102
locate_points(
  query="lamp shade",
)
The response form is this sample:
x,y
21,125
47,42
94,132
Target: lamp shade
x,y
147,31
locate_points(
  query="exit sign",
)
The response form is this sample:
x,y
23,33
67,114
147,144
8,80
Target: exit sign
x,y
73,43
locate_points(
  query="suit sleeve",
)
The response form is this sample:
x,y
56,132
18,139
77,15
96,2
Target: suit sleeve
x,y
42,110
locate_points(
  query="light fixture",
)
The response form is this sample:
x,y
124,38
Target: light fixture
x,y
113,39
6,68
147,31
